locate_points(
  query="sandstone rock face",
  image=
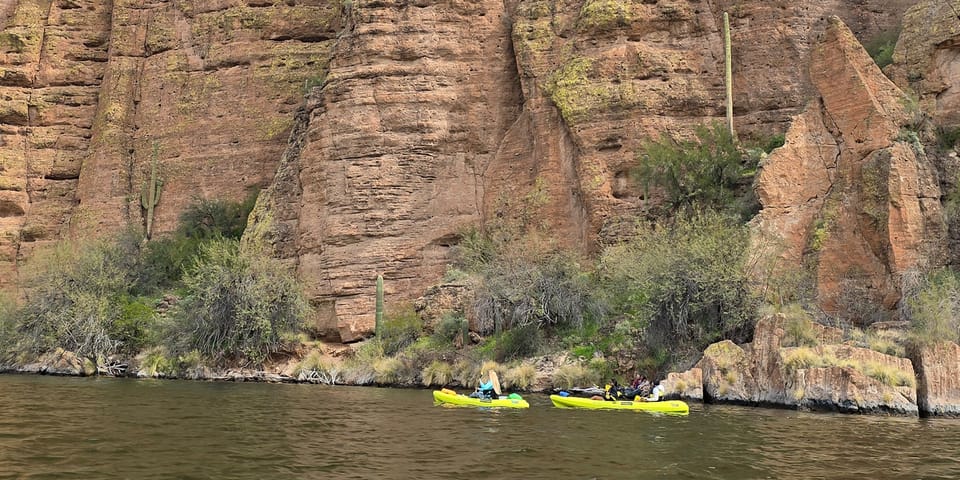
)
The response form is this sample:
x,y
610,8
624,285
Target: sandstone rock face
x,y
938,369
687,385
408,133
848,193
94,90
848,388
52,59
830,376
391,165
927,58
727,372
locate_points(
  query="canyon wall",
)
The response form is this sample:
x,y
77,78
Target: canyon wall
x,y
376,130
851,196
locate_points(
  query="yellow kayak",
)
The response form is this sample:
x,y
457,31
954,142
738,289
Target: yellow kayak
x,y
663,406
449,397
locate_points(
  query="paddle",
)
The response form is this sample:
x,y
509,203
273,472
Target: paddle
x,y
496,382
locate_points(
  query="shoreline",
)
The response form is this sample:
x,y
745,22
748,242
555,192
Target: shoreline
x,y
275,378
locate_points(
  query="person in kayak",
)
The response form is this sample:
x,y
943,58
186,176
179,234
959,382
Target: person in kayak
x,y
484,389
657,392
639,387
613,391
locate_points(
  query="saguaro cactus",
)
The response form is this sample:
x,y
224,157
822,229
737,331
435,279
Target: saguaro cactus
x,y
728,72
150,196
379,317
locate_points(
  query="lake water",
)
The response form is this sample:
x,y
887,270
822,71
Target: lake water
x,y
90,428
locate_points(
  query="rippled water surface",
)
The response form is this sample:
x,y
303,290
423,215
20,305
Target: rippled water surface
x,y
55,427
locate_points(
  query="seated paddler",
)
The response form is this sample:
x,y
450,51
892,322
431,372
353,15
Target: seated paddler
x,y
484,388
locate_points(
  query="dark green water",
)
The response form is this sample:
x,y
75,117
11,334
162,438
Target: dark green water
x,y
55,427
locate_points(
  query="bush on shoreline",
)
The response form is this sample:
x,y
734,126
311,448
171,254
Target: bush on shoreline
x,y
238,306
98,298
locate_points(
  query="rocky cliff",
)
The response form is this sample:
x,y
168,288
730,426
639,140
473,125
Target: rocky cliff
x,y
852,196
420,118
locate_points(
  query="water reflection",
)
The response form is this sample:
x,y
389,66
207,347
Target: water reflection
x,y
107,428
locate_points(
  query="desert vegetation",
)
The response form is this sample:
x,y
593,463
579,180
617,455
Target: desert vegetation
x,y
650,303
222,302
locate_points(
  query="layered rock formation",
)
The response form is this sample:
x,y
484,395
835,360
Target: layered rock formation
x,y
409,133
94,91
851,196
927,58
829,376
938,373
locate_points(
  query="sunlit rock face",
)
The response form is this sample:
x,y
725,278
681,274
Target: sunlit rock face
x,y
849,195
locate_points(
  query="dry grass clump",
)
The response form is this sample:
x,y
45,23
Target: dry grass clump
x,y
574,375
466,373
438,373
315,368
356,372
520,377
888,375
387,371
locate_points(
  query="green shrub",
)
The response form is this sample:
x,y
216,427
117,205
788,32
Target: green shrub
x,y
947,137
132,328
238,304
545,292
190,364
583,351
452,327
708,171
8,329
75,300
881,47
474,250
683,284
400,330
207,219
773,142
438,373
601,367
164,260
518,343
426,350
934,309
